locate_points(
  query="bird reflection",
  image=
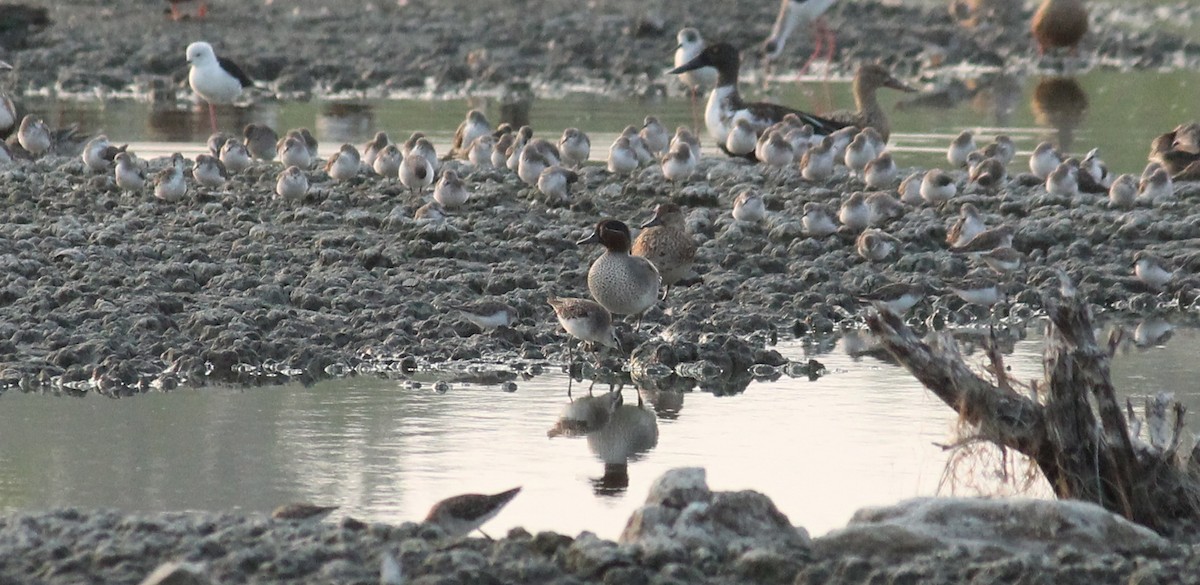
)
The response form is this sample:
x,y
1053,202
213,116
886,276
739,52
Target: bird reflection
x,y
1060,102
1152,332
666,403
616,433
345,121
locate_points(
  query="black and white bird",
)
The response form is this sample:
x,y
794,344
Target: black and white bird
x,y
791,14
216,79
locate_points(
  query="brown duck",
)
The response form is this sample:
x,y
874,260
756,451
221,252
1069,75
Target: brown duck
x,y
1059,24
869,78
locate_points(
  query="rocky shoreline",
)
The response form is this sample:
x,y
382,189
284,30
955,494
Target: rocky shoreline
x,y
685,533
307,47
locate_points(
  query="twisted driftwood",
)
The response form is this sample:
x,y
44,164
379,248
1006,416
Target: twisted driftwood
x,y
1072,427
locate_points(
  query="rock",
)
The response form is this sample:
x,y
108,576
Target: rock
x,y
1013,526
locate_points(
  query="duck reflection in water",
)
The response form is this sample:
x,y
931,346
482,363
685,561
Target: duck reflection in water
x,y
616,433
1061,103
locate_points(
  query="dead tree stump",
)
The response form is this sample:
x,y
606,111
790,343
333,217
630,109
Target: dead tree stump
x,y
1072,425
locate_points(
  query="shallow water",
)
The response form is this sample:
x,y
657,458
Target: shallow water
x,y
385,450
1119,112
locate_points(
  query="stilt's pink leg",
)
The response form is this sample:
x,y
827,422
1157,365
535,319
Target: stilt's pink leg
x,y
212,116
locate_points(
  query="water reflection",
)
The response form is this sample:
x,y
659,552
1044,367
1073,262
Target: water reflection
x,y
1061,103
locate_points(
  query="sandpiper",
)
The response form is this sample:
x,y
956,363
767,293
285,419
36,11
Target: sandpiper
x,y
792,13
461,515
344,164
480,151
302,511
884,207
1002,149
555,183
622,159
655,135
854,212
968,225
666,243
586,321
34,135
531,165
488,314
989,239
292,185
374,147
234,156
910,189
679,163
640,148
450,190
260,140
685,134
424,148
293,153
99,153
978,290
817,163
1064,181
881,173
624,284
387,162
859,153
215,141
817,222
1155,186
1123,192
500,152
475,125
741,139
1002,260
411,143
1044,160
169,183
129,175
774,150
415,173
1151,270
575,147
960,147
989,174
209,171
749,206
896,297
725,104
938,187
306,138
513,154
1059,24
215,79
430,212
875,245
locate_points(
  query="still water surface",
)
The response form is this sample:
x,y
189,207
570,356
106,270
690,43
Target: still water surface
x,y
386,450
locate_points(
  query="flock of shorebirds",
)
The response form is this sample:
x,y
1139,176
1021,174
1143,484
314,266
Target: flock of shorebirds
x,y
628,277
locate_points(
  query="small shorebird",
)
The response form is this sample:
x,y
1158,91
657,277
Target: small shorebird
x,y
655,135
34,135
216,79
938,187
292,185
129,176
387,161
685,135
555,183
302,511
1044,160
989,174
978,290
749,206
666,243
817,163
209,171
235,156
1002,149
969,225
375,146
910,189
500,151
169,184
586,321
575,147
791,14
421,146
1155,185
817,221
875,245
960,147
1064,181
640,148
854,212
858,154
292,152
622,159
99,153
679,164
450,190
306,138
1123,192
344,164
897,297
774,150
475,125
1151,270
488,314
215,141
725,104
884,207
989,239
1002,260
260,140
531,165
415,173
432,211
480,151
461,515
1059,24
881,173
742,138
624,284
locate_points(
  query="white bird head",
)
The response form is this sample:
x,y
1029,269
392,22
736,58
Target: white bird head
x,y
200,54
